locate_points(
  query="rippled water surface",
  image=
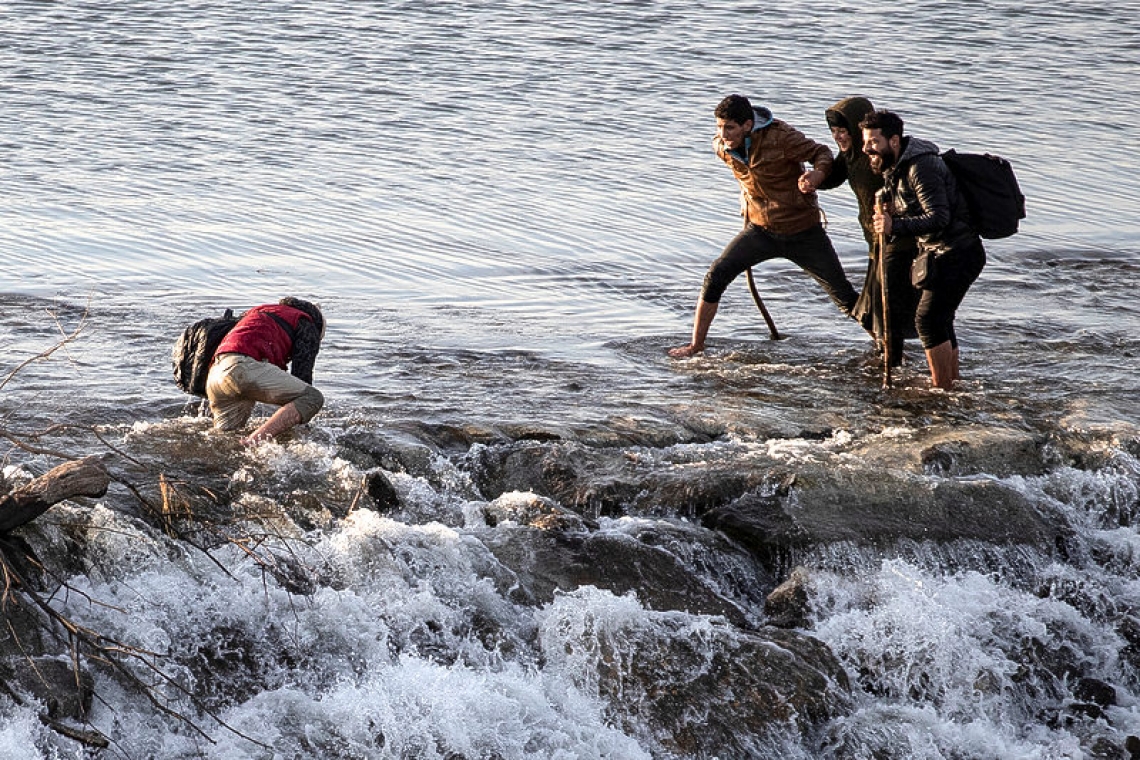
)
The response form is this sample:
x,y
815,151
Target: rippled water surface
x,y
506,209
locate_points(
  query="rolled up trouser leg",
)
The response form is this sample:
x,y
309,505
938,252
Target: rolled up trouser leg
x,y
309,403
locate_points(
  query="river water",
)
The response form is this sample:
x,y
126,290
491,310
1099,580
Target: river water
x,y
505,211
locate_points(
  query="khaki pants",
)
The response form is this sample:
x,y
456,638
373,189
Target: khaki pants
x,y
236,382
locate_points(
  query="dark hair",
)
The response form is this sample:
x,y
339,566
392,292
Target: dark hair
x,y
309,308
734,108
887,121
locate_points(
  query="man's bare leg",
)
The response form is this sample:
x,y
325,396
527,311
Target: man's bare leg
x,y
943,365
283,419
701,321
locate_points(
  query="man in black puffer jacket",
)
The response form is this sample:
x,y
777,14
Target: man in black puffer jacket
x,y
924,204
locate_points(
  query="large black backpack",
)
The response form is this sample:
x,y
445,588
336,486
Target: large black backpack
x,y
194,350
991,192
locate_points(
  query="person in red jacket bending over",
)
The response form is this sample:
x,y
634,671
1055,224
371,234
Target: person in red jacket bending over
x,y
249,366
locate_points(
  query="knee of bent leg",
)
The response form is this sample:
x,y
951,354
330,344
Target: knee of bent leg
x,y
716,282
309,403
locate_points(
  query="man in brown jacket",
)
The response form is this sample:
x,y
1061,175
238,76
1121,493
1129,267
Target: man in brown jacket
x,y
779,206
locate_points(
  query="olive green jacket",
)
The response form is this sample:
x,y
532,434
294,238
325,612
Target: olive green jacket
x,y
853,166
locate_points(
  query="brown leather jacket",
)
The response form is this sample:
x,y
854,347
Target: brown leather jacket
x,y
769,179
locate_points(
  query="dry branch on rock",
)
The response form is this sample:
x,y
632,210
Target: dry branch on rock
x,y
85,477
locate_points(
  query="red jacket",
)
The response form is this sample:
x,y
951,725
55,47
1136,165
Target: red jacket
x,y
260,336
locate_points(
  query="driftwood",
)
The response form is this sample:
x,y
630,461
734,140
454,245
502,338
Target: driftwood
x,y
85,477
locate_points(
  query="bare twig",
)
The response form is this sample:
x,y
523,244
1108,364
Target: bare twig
x,y
67,338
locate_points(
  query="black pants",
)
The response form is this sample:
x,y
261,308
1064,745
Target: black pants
x,y
955,273
810,250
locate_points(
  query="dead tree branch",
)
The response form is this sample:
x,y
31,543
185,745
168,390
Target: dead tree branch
x,y
85,477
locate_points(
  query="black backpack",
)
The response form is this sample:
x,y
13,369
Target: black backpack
x,y
990,190
194,351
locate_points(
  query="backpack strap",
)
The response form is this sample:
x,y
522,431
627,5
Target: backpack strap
x,y
288,328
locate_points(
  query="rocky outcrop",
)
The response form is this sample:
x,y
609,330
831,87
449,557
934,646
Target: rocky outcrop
x,y
881,509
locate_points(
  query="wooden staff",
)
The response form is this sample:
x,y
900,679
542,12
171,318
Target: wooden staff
x,y
772,332
881,202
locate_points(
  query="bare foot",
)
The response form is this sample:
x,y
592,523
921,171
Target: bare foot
x,y
684,352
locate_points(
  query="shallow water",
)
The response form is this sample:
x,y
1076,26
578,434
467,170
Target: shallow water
x,y
506,213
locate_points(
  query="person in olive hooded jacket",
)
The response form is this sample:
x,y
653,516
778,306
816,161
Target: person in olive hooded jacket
x,y
853,166
779,207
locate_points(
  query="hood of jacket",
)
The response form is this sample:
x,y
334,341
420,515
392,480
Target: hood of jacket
x,y
761,117
913,147
847,113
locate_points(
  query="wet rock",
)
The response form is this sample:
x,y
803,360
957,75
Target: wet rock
x,y
545,562
230,664
625,432
787,605
1129,629
716,691
66,692
1105,748
609,482
551,470
878,508
997,452
310,512
527,432
527,509
710,556
382,492
1132,747
23,630
949,451
759,522
1095,691
369,450
1078,711
453,439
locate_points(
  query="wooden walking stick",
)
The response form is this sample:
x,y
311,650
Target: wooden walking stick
x,y
772,332
885,322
